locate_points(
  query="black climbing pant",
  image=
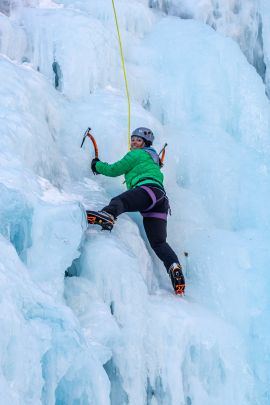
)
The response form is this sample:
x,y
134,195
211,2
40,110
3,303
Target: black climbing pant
x,y
151,201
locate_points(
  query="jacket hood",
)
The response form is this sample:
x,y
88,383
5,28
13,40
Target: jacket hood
x,y
153,153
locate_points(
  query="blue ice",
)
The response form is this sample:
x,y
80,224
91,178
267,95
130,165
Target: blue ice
x,y
114,332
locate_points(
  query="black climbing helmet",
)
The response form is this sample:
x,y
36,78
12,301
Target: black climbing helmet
x,y
145,133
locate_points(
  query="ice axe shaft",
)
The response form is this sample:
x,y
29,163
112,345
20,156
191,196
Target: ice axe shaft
x,y
87,133
162,153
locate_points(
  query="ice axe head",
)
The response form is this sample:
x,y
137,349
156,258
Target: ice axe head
x,y
85,135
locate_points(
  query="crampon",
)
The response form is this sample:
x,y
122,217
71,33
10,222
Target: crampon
x,y
102,218
177,278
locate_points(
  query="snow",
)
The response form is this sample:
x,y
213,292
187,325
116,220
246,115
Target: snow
x,y
114,332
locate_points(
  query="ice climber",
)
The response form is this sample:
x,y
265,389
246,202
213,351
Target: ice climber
x,y
146,194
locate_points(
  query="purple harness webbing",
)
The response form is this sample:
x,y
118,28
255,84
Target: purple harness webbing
x,y
152,196
160,215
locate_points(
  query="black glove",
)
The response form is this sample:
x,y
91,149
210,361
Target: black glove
x,y
93,165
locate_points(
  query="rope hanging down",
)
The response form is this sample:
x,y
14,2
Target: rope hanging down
x,y
124,70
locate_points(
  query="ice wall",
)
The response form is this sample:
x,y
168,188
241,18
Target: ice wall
x,y
241,20
205,106
265,13
114,332
43,350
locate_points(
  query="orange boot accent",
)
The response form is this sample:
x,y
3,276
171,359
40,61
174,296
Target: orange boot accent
x,y
180,289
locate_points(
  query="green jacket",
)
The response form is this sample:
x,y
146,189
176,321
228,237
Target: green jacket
x,y
136,165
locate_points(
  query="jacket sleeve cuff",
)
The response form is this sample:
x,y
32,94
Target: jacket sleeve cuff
x,y
97,165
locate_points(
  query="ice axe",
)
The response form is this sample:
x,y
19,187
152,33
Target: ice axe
x,y
87,133
162,153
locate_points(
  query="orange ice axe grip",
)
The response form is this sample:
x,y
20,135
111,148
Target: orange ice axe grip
x,y
162,153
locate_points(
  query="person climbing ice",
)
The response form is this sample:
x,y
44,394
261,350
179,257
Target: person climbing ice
x,y
144,180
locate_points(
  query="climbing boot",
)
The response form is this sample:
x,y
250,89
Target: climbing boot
x,y
102,218
177,278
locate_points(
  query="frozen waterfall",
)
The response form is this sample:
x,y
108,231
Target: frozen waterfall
x,y
114,332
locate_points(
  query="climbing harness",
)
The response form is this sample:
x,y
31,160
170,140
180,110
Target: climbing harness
x,y
124,69
89,135
155,201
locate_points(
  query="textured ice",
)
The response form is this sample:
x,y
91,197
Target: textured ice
x,y
265,15
43,350
114,333
240,20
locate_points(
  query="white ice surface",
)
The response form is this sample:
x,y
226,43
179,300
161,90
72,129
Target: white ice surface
x,y
117,334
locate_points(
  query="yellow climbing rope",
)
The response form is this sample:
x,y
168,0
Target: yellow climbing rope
x,y
124,69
